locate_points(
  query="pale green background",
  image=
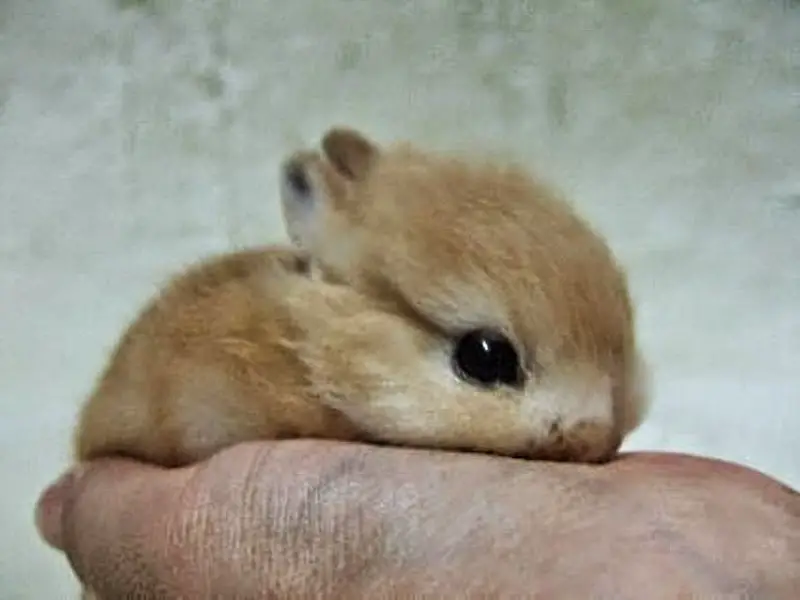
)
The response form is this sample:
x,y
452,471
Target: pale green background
x,y
135,136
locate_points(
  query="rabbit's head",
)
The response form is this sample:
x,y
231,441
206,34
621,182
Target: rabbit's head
x,y
500,321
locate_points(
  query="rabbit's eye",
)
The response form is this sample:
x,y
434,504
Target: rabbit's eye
x,y
487,358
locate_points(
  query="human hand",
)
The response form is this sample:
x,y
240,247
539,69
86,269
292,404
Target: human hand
x,y
303,519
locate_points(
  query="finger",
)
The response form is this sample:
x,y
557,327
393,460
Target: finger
x,y
49,508
113,526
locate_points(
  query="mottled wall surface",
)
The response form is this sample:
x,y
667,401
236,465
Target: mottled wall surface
x,y
138,134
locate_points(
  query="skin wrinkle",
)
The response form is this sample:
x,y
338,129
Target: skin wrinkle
x,y
358,537
254,563
320,484
404,553
421,557
304,510
124,561
322,506
441,525
197,526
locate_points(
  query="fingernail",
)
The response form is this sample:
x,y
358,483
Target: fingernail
x,y
50,506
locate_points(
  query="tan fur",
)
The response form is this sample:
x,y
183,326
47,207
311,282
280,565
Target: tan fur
x,y
447,245
209,363
350,335
412,250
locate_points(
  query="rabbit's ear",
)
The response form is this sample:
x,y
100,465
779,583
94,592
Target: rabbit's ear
x,y
305,188
349,152
313,183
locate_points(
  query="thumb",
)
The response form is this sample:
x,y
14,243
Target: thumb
x,y
50,506
104,514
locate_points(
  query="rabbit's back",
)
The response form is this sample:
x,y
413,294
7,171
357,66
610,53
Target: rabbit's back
x,y
210,362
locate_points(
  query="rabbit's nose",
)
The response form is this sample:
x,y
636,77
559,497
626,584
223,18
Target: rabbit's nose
x,y
586,441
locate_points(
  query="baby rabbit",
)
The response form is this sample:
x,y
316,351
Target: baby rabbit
x,y
430,301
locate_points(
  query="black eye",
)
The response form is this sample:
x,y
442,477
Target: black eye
x,y
487,357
